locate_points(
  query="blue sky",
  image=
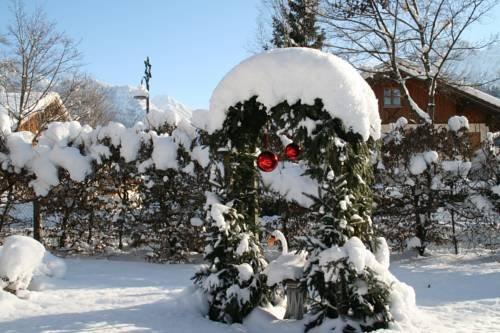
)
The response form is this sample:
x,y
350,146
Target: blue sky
x,y
192,44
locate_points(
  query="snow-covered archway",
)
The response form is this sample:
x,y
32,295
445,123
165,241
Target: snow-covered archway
x,y
321,103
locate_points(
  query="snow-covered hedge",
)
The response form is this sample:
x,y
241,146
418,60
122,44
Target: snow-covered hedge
x,y
73,147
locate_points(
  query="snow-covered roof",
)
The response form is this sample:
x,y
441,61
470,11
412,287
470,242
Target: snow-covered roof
x,y
480,95
10,101
294,74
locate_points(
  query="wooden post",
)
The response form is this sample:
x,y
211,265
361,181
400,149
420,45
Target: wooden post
x,y
294,300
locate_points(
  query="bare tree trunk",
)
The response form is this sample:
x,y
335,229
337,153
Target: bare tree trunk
x,y
37,221
8,204
455,242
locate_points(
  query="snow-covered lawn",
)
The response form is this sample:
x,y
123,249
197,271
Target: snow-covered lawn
x,y
454,294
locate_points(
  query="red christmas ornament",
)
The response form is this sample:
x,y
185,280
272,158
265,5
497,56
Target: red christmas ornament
x,y
292,151
267,161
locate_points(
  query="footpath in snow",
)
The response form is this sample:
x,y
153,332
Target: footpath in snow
x,y
454,294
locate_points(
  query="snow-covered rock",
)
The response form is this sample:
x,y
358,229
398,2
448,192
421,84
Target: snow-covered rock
x,y
294,74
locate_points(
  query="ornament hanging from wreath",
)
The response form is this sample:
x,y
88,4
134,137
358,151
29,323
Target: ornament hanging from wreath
x,y
292,151
267,161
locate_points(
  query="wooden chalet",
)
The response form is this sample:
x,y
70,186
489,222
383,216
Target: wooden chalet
x,y
47,109
481,109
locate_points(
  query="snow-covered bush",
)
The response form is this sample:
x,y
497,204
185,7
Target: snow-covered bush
x,y
19,258
427,186
359,293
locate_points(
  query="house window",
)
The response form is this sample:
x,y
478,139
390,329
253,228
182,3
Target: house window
x,y
392,97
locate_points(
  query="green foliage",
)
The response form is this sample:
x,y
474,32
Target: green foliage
x,y
229,244
351,296
339,160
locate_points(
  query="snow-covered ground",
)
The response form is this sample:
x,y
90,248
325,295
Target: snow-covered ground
x,y
454,294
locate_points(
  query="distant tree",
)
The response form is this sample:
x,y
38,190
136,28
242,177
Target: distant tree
x,y
294,24
35,59
88,103
289,23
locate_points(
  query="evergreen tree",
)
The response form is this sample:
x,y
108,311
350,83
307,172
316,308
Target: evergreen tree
x,y
296,25
232,279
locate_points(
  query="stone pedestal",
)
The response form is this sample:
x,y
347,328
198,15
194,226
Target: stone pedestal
x,y
294,300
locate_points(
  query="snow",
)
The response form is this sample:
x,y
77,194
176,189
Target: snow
x,y
196,222
156,118
70,159
456,294
217,211
294,74
245,272
201,155
431,156
51,266
164,153
19,257
461,168
243,246
289,266
5,122
417,164
288,179
164,102
496,189
382,253
456,123
413,242
73,147
20,148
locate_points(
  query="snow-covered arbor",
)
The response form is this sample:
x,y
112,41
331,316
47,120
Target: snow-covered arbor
x,y
321,104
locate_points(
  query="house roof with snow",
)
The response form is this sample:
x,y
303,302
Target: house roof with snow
x,y
9,106
415,71
10,101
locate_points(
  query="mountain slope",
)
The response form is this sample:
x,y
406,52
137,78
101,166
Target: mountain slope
x,y
129,110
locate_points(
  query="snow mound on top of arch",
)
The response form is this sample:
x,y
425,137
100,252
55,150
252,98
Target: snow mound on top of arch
x,y
294,74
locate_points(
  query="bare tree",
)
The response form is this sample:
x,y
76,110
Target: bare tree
x,y
88,103
429,33
35,59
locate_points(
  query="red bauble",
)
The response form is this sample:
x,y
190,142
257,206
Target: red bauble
x,y
292,151
267,161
